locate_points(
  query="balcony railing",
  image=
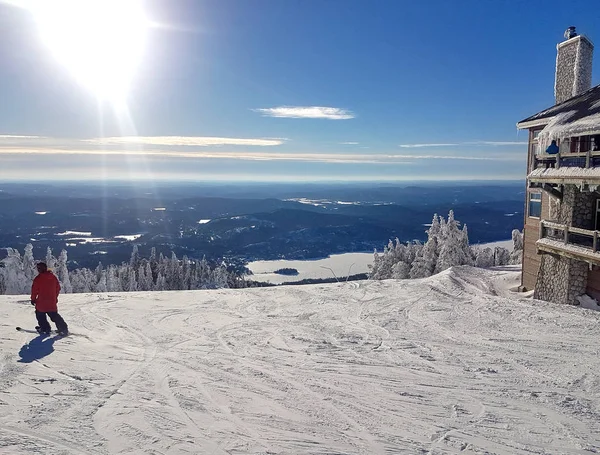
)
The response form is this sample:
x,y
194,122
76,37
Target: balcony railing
x,y
576,243
566,159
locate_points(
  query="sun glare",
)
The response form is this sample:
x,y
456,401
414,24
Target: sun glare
x,y
100,41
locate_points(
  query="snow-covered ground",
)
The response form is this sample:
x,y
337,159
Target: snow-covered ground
x,y
449,364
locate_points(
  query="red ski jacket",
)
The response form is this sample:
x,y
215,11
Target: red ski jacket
x,y
44,292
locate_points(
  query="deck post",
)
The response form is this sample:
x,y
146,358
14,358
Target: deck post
x,y
595,242
588,159
566,228
558,160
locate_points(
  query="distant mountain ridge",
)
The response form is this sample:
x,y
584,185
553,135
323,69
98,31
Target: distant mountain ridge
x,y
200,221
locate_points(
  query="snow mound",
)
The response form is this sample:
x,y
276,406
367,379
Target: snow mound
x,y
452,364
587,302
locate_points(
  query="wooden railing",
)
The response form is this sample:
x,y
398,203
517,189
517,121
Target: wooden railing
x,y
565,234
566,159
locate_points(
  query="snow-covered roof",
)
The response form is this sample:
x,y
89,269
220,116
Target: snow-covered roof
x,y
566,175
570,124
569,249
584,105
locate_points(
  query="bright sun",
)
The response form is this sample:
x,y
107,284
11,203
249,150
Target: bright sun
x,y
100,41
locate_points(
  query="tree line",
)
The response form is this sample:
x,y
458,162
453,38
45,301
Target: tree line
x,y
156,273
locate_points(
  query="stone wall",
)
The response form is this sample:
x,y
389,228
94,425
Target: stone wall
x,y
560,279
576,208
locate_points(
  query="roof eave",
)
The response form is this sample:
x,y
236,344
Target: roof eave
x,y
533,123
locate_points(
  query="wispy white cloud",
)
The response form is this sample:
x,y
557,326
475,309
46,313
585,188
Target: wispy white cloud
x,y
349,143
198,141
379,158
412,146
498,143
14,136
469,143
322,112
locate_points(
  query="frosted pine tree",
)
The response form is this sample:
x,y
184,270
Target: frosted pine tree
x,y
82,280
145,278
29,268
219,277
134,262
161,283
424,265
453,245
484,258
401,270
50,259
501,256
153,264
15,281
132,282
113,283
186,273
62,273
101,285
516,257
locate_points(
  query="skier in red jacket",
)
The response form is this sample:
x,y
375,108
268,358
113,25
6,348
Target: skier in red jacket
x,y
44,295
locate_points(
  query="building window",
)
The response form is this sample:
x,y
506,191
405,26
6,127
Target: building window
x,y
535,205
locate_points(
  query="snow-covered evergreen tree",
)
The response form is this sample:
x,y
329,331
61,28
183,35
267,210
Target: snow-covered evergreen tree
x,y
516,257
29,267
485,258
134,262
112,279
62,273
501,256
453,250
132,282
15,281
424,265
50,259
101,285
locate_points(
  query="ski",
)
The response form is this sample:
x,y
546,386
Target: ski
x,y
53,332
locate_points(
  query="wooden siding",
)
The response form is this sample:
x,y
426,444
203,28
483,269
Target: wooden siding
x,y
532,260
593,283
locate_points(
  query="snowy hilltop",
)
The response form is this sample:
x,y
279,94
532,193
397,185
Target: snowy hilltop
x,y
453,363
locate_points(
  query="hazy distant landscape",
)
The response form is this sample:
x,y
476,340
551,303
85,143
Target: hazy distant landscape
x,y
246,222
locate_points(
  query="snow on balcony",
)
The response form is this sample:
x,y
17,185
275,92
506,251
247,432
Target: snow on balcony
x,y
569,250
567,175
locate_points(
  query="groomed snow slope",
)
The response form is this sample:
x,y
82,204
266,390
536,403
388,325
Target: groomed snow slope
x,y
448,364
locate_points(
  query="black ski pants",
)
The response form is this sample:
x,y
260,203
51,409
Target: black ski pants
x,y
54,317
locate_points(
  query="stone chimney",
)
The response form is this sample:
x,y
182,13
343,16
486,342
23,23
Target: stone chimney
x,y
573,66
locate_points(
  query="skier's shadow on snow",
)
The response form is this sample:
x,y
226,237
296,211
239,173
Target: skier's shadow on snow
x,y
36,349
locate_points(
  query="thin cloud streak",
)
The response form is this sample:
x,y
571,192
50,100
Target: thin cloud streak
x,y
261,156
456,144
349,143
198,141
314,112
410,146
15,136
499,143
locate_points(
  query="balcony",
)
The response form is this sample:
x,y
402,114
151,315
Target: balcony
x,y
568,241
574,152
586,160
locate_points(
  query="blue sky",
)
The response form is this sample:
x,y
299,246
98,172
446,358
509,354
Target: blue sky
x,y
274,90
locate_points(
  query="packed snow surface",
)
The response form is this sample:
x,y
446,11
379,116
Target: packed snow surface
x,y
454,363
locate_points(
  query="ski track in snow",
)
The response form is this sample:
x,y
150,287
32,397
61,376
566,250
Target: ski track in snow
x,y
449,364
